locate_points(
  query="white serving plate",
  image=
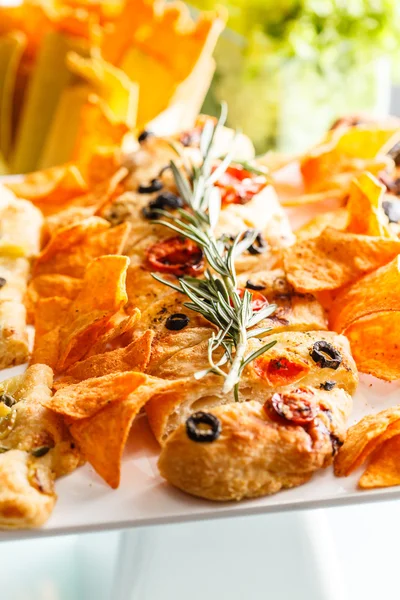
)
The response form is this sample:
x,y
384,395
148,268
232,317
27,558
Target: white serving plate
x,y
86,503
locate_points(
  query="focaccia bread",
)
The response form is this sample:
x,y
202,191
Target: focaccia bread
x,y
291,363
256,451
35,448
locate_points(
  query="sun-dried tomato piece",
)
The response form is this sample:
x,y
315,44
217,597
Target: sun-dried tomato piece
x,y
280,371
239,186
177,256
258,300
296,406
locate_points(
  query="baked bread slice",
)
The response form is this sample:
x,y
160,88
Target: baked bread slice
x,y
255,454
35,449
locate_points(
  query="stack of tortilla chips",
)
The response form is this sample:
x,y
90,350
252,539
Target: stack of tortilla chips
x,y
76,75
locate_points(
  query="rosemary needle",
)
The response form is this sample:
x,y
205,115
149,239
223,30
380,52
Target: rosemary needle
x,y
215,297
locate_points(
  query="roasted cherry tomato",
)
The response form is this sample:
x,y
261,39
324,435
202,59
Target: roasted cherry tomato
x,y
177,256
280,371
238,186
296,406
258,300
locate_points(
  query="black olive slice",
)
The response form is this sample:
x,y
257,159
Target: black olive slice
x,y
149,214
327,385
7,400
166,200
4,449
336,443
199,434
325,355
392,210
155,186
2,282
144,135
177,321
254,286
259,245
40,451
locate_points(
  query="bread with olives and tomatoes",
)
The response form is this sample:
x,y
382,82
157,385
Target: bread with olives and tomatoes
x,y
316,359
246,450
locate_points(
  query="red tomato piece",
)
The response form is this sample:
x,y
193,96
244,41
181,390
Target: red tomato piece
x,y
258,300
280,371
296,406
239,186
177,256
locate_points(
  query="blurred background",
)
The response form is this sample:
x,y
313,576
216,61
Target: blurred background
x,y
288,69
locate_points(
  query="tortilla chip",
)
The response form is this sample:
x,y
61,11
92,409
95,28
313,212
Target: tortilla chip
x,y
102,438
366,215
72,248
376,292
292,199
368,313
374,341
46,286
97,130
366,141
337,219
122,327
335,259
384,467
52,188
344,153
49,315
102,295
85,399
112,85
364,437
45,350
136,357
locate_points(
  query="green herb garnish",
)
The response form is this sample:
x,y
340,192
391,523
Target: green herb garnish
x,y
215,297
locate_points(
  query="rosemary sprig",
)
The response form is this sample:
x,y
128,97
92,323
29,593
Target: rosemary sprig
x,y
215,297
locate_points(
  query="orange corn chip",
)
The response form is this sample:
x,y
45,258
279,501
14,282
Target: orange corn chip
x,y
368,313
49,315
366,215
71,249
136,357
384,467
376,292
336,258
374,341
121,327
364,437
52,188
103,294
337,219
97,130
344,153
102,438
85,399
46,286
